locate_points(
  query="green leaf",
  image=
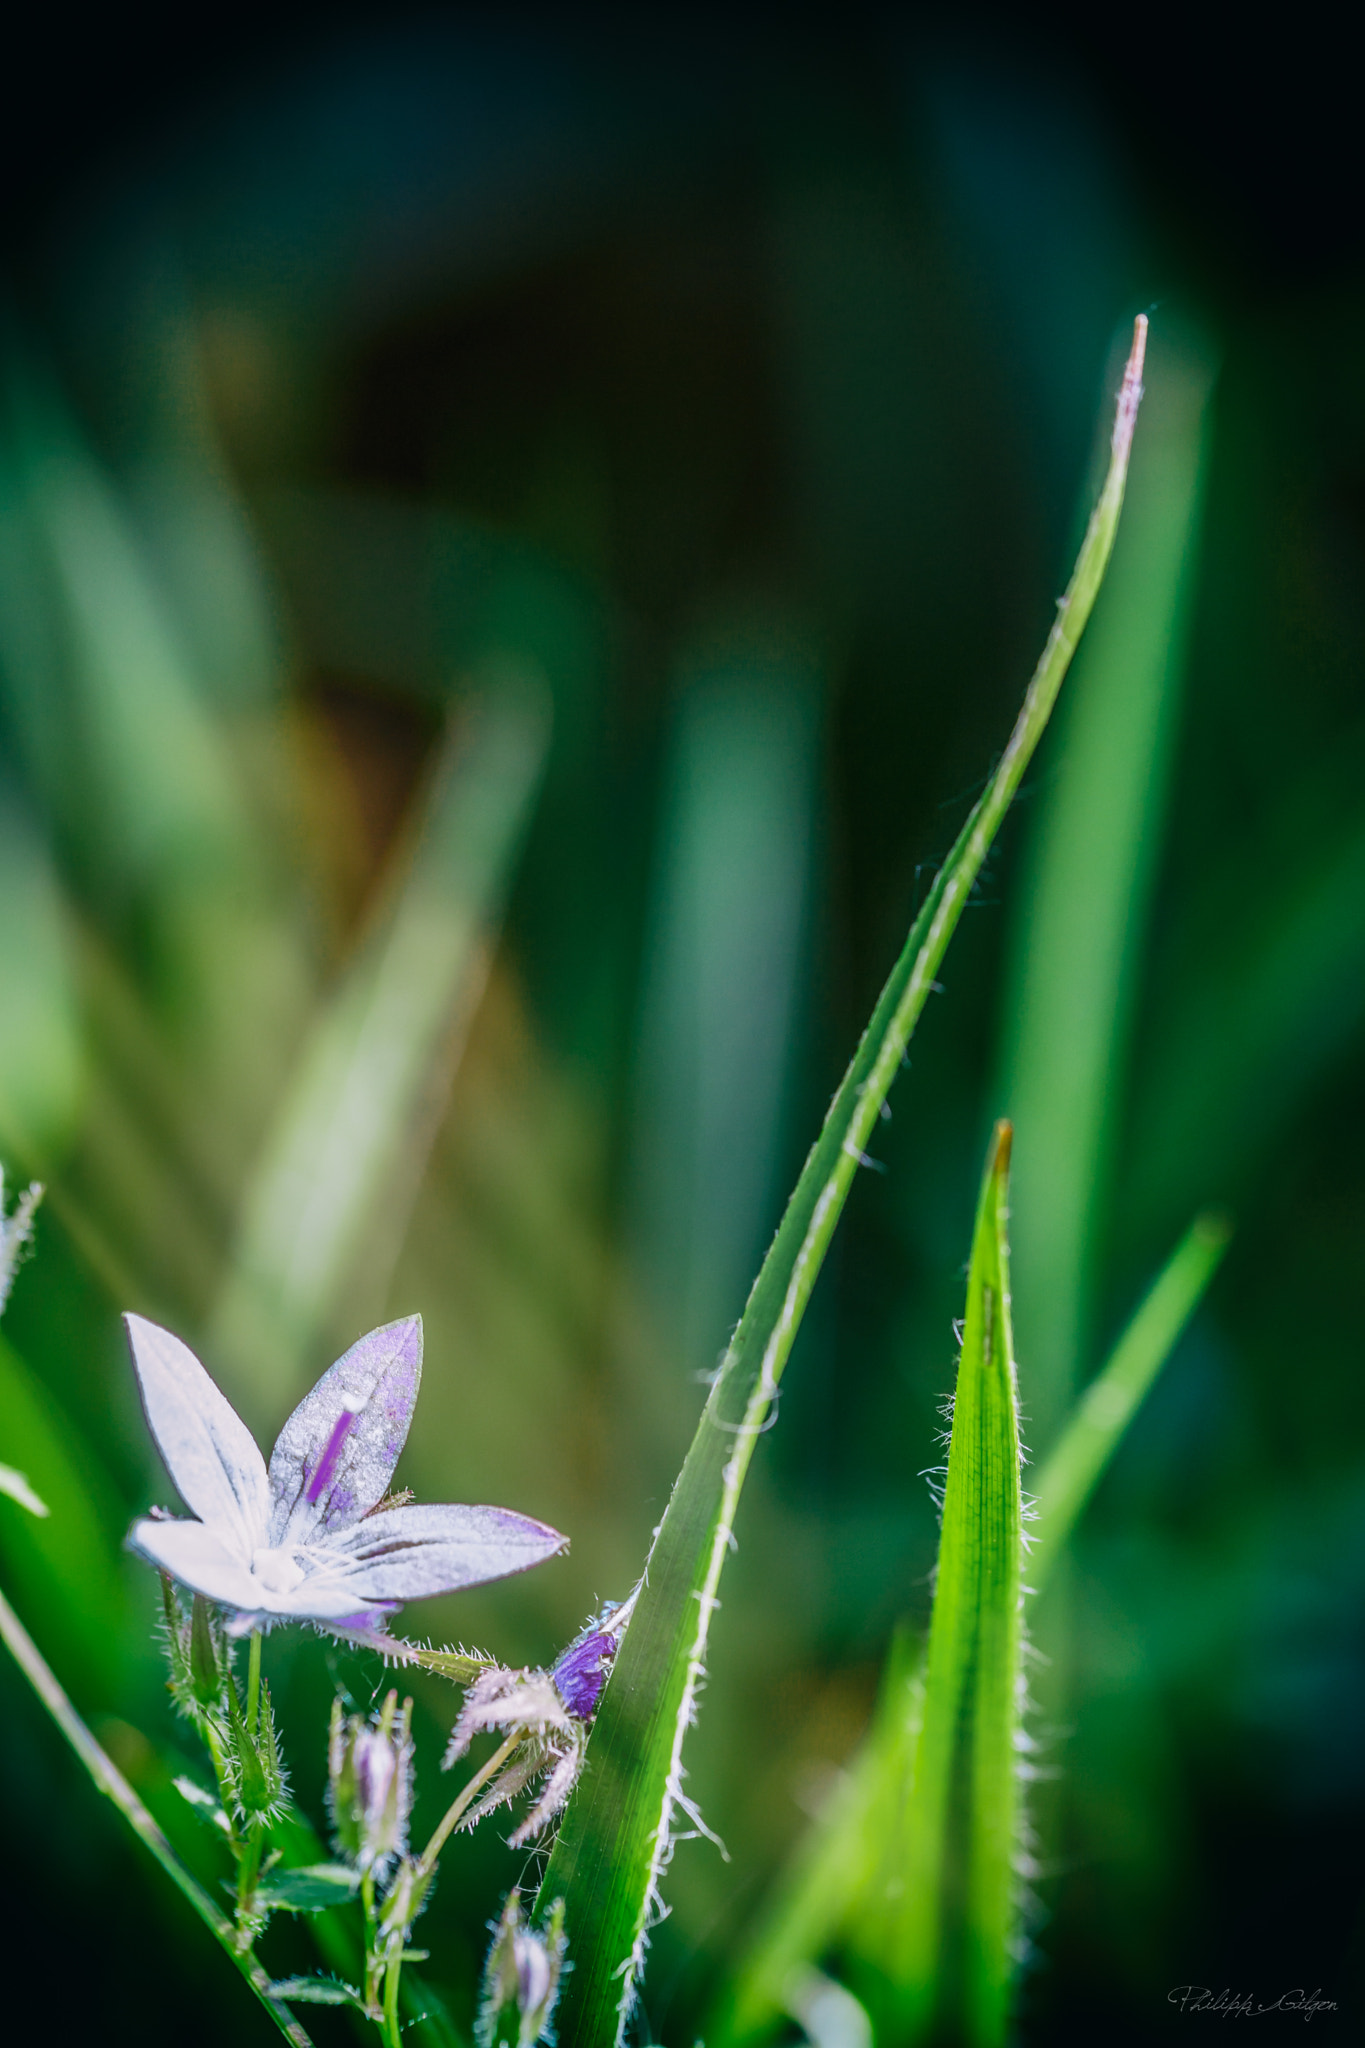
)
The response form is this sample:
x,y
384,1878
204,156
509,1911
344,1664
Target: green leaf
x,y
1113,1397
618,1830
315,1991
941,1931
310,1890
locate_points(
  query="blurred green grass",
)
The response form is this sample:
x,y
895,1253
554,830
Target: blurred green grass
x,y
749,416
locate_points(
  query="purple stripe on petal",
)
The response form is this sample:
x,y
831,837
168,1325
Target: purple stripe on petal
x,y
327,1463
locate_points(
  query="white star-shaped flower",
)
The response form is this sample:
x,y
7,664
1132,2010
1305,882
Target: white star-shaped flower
x,y
302,1541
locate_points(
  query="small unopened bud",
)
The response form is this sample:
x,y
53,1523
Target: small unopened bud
x,y
370,1770
582,1669
521,1978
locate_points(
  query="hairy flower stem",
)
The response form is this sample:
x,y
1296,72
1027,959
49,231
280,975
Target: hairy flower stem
x,y
463,1800
111,1781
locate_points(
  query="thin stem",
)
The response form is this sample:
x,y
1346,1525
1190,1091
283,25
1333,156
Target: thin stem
x,y
371,1957
110,1780
248,1870
253,1682
459,1806
391,2033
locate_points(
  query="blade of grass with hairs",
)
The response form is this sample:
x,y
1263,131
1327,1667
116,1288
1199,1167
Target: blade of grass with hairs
x,y
617,1837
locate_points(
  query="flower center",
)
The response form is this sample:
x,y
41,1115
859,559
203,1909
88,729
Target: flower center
x,y
279,1571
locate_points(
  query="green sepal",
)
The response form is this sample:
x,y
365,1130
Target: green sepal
x,y
207,1655
257,1776
180,1684
462,1667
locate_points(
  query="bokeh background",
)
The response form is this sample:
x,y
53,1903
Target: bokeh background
x,y
520,537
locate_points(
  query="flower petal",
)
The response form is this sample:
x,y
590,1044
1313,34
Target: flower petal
x,y
410,1553
206,1447
336,1454
198,1557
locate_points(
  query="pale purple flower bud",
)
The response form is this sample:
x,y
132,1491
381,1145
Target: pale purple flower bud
x,y
521,1978
370,1790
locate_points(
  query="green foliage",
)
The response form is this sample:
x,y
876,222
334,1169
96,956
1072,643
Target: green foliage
x,y
1092,1434
1088,881
940,1924
854,1857
617,1835
770,513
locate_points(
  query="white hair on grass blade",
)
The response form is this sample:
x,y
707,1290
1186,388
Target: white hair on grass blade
x,y
16,1232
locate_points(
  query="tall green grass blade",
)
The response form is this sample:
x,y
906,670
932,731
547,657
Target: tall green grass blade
x,y
948,1911
1090,875
619,1828
847,1849
351,1136
1113,1397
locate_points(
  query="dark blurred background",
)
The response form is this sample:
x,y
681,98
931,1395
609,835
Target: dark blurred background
x,y
520,536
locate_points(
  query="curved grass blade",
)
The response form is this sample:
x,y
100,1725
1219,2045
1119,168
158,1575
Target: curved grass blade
x,y
1113,1397
618,1831
1087,884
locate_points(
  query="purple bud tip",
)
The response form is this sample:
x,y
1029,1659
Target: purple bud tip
x,y
327,1463
581,1673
